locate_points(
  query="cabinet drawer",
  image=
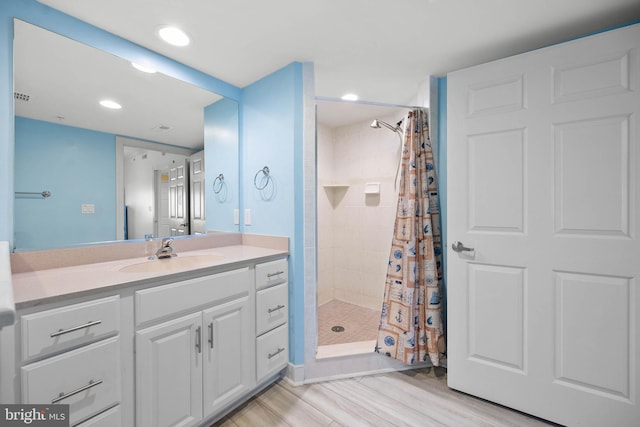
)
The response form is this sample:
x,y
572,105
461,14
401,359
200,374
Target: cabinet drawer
x,y
156,303
271,308
272,273
59,329
109,418
89,377
272,352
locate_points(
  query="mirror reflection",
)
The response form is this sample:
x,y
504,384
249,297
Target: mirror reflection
x,y
114,173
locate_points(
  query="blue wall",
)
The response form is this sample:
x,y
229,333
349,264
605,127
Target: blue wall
x,y
78,167
221,134
271,115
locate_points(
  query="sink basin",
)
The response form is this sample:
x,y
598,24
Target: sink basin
x,y
172,264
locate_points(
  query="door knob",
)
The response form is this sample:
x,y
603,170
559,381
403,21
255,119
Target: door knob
x,y
459,247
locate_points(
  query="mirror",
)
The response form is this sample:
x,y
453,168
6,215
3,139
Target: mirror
x,y
83,154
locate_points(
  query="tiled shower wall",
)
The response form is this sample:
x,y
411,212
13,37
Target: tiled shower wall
x,y
354,228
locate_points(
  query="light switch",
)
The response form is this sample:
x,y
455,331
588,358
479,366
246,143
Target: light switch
x,y
236,216
88,208
247,217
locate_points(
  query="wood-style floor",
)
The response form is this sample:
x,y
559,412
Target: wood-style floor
x,y
409,398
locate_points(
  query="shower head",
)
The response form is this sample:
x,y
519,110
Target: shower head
x,y
376,125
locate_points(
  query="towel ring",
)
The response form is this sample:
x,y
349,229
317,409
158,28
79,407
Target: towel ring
x,y
265,177
220,183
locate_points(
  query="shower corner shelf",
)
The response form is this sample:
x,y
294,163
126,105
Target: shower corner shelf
x,y
335,192
337,186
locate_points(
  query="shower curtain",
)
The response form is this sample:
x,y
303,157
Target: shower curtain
x,y
411,320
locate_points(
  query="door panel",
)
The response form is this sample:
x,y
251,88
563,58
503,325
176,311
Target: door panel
x,y
496,331
589,306
578,156
496,184
543,155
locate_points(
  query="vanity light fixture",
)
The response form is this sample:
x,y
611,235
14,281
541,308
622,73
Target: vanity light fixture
x,y
173,35
349,97
142,68
107,103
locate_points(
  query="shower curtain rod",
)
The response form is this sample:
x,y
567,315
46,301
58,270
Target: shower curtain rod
x,y
374,103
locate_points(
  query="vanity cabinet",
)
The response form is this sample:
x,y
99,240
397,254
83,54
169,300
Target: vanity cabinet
x,y
190,367
161,352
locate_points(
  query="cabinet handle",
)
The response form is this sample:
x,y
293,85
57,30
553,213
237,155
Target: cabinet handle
x,y
270,275
75,328
211,334
279,307
199,339
63,396
272,355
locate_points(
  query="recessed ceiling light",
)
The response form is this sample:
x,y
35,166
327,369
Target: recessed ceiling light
x,y
143,68
350,97
173,35
107,103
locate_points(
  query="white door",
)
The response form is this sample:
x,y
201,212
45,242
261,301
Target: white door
x,y
229,370
169,373
196,187
543,183
179,199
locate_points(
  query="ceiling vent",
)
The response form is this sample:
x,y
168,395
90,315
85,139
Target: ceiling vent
x,y
21,96
162,128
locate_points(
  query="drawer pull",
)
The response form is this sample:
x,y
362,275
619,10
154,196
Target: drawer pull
x,y
272,355
75,328
198,339
277,273
63,396
279,307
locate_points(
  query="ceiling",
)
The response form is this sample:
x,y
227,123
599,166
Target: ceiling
x,y
381,50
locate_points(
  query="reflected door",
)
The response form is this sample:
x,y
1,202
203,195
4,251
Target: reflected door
x,y
196,168
543,160
162,224
179,199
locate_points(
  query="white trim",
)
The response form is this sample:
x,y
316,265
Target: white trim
x,y
370,372
374,103
295,374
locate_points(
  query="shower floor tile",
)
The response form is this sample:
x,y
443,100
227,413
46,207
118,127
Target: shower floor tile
x,y
359,323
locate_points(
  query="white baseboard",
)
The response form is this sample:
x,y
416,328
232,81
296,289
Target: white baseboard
x,y
295,374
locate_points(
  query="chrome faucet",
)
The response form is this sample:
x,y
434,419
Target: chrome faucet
x,y
165,251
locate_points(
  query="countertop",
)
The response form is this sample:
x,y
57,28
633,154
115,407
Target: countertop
x,y
32,288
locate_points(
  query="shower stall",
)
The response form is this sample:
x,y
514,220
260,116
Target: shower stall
x,y
357,161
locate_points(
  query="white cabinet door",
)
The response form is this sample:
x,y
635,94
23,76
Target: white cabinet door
x,y
543,163
169,373
229,351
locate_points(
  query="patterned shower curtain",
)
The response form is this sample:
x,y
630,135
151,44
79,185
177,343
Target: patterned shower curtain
x,y
411,321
